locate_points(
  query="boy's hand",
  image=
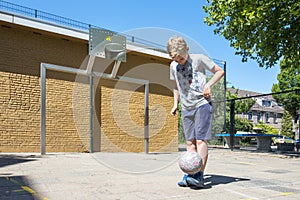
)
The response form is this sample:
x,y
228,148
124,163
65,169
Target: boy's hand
x,y
206,92
174,110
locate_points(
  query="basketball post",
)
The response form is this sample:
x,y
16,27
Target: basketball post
x,y
232,122
111,49
110,45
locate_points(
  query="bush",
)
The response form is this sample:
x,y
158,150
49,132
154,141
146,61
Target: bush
x,y
266,128
241,124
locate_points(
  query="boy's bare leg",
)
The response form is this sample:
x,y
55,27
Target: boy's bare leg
x,y
191,146
202,149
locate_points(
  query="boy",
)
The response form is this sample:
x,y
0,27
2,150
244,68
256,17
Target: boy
x,y
193,92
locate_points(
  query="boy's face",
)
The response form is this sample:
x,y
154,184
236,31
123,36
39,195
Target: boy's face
x,y
181,59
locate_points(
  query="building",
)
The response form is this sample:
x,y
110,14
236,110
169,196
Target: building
x,y
119,112
265,109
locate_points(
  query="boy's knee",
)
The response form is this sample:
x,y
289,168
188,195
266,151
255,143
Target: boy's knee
x,y
200,142
191,146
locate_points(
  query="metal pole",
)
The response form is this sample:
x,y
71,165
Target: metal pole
x,y
45,66
146,123
91,114
232,122
43,110
90,64
225,90
299,126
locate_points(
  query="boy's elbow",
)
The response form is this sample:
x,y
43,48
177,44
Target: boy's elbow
x,y
222,73
218,69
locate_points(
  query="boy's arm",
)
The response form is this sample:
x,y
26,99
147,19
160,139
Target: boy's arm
x,y
218,74
176,100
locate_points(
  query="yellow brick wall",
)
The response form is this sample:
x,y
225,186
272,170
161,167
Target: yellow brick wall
x,y
122,121
64,131
67,123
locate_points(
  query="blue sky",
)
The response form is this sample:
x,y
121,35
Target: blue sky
x,y
149,19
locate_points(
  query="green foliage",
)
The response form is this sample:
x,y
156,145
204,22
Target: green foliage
x,y
288,79
241,106
266,128
287,125
218,97
264,30
241,124
181,137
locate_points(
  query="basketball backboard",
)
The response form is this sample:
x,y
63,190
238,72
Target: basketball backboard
x,y
107,44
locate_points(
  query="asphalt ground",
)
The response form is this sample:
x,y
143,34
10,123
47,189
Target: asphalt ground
x,y
237,174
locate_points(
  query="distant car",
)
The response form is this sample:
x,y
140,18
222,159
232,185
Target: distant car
x,y
297,141
282,139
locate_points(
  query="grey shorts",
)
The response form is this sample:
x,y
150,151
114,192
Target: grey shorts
x,y
197,123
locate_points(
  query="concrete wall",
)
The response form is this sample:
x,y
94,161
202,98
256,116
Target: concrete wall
x,y
67,124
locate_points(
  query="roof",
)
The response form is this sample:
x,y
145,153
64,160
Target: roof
x,y
248,93
275,108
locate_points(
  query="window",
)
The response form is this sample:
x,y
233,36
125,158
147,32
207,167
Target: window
x,y
258,117
275,118
266,103
250,116
267,117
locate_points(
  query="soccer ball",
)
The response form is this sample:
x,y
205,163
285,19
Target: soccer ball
x,y
190,162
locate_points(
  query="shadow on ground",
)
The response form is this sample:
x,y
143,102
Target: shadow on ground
x,y
17,188
10,159
213,180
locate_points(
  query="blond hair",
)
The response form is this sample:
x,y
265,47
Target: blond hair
x,y
176,46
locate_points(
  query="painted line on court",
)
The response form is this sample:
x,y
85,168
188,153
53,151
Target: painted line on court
x,y
286,193
244,163
241,194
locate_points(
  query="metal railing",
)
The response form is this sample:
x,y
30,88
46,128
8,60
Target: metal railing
x,y
70,23
36,14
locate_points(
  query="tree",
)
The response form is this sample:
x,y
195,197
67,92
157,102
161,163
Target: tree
x,y
241,124
219,103
287,125
288,79
241,106
264,30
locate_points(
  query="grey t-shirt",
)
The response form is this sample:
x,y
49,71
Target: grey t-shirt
x,y
191,79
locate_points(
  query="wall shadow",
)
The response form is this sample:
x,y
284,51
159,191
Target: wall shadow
x,y
16,187
7,159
